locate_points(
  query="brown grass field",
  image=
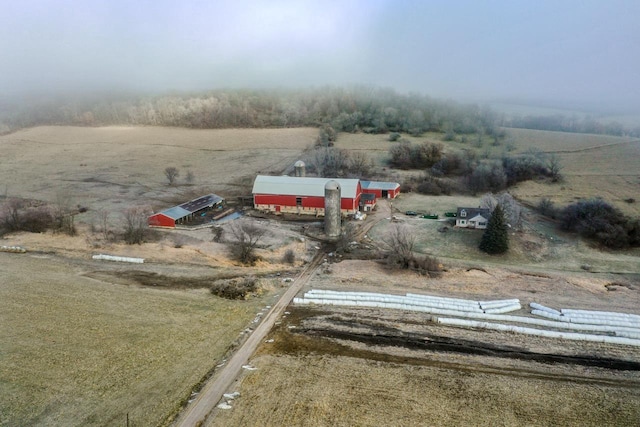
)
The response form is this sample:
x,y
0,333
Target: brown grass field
x,y
84,343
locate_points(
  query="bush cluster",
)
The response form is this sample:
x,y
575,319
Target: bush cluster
x,y
405,155
21,215
599,221
434,187
237,288
425,265
332,162
497,174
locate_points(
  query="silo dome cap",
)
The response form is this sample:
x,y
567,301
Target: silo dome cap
x,y
332,185
298,164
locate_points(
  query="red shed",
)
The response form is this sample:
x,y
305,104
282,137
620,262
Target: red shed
x,y
382,190
182,213
302,195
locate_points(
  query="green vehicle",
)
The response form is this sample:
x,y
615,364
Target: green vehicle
x,y
430,216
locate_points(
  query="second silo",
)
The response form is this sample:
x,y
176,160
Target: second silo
x,y
299,167
332,215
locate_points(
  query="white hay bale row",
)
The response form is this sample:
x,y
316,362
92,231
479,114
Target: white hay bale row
x,y
540,332
118,258
13,249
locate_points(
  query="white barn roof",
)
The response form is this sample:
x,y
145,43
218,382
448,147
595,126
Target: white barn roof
x,y
302,186
379,185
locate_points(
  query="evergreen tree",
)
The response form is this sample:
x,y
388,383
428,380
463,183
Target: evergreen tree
x,y
495,239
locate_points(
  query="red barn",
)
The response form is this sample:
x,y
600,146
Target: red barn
x,y
184,212
382,190
302,195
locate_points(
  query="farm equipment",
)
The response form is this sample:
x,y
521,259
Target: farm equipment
x,y
430,216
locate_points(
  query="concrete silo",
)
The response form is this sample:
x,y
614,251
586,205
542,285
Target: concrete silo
x,y
299,167
332,215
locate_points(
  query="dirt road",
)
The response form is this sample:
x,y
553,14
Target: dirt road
x,y
212,392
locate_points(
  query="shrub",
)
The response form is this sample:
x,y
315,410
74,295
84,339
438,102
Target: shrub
x,y
405,155
487,177
453,164
36,220
18,215
547,208
289,257
434,186
597,220
326,136
235,288
394,136
525,167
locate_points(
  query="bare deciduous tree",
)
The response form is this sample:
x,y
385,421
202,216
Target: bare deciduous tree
x,y
190,178
135,225
554,166
172,174
103,218
63,213
330,162
360,164
511,208
11,214
401,243
246,236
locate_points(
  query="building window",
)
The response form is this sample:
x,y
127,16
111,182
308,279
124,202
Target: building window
x,y
298,201
463,213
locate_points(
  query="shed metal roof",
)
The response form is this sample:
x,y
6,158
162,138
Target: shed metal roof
x,y
175,212
302,186
379,185
192,206
202,202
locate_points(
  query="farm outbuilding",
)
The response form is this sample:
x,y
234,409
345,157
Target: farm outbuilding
x,y
185,212
472,217
303,195
382,190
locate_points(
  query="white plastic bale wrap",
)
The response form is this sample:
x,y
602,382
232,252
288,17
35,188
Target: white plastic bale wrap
x,y
539,332
590,313
503,309
498,303
541,307
118,258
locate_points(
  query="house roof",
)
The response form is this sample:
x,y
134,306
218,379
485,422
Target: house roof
x,y
478,218
302,186
379,185
191,206
472,212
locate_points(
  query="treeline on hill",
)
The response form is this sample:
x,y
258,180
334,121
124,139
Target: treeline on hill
x,y
355,109
358,109
562,123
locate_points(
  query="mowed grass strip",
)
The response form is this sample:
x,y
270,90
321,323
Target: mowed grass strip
x,y
76,351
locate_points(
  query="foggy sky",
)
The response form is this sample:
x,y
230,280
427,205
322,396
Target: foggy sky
x,y
566,51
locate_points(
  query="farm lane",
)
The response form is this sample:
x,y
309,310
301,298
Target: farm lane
x,y
212,392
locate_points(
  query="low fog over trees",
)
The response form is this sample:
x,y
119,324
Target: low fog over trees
x,y
364,109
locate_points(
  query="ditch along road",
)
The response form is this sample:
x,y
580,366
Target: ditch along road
x,y
211,394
